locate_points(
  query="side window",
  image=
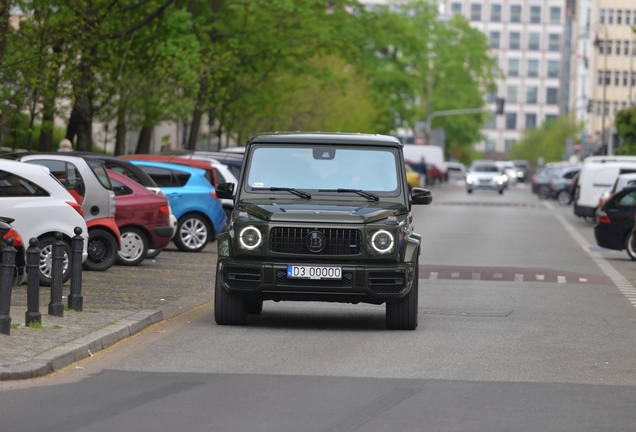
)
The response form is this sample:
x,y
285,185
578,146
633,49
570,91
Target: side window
x,y
99,170
12,185
122,170
235,170
65,172
570,175
120,188
219,177
628,200
180,178
161,176
73,176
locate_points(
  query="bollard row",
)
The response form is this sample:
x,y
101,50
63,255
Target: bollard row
x,y
56,308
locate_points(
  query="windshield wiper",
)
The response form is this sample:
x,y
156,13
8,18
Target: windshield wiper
x,y
291,190
360,192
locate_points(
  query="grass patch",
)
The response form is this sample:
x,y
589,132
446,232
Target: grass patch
x,y
15,325
36,325
66,308
92,311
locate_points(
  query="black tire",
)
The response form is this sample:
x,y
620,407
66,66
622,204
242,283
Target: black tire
x,y
469,191
102,250
402,314
631,251
193,233
501,191
229,309
564,198
46,265
254,306
543,192
134,246
153,253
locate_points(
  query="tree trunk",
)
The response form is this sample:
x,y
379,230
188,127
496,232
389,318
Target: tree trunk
x,y
85,124
83,101
48,106
71,128
120,134
197,115
143,145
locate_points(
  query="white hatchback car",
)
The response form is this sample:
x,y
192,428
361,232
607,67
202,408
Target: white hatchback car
x,y
41,206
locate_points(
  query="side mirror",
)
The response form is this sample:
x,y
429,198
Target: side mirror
x,y
421,196
225,190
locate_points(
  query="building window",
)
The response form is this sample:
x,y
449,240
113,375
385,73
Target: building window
x,y
617,78
456,8
492,97
598,108
515,13
627,17
608,47
531,121
511,121
615,104
601,47
555,15
511,93
619,17
535,14
514,41
618,47
623,105
600,77
608,78
491,144
602,18
550,118
509,143
554,42
513,67
551,95
633,83
533,68
625,79
491,123
495,13
475,12
553,68
531,94
495,38
626,48
606,108
534,41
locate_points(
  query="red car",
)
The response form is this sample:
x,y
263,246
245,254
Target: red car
x,y
143,218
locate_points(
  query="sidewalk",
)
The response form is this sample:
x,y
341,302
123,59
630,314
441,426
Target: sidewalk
x,y
117,303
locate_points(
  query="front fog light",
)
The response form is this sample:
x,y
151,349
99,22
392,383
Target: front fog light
x,y
250,237
382,241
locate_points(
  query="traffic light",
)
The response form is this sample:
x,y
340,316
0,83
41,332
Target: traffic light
x,y
500,106
590,106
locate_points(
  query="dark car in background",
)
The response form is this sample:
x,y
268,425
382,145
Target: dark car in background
x,y
523,170
615,223
541,179
7,231
561,186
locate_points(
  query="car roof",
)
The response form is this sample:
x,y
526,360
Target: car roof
x,y
166,165
324,138
196,163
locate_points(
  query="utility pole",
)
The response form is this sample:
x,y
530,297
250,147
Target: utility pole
x,y
597,44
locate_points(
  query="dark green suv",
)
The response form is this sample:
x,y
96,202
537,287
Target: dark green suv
x,y
320,217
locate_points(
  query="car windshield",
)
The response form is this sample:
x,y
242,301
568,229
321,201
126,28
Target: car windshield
x,y
485,169
324,167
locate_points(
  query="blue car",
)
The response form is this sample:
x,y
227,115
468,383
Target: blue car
x,y
193,200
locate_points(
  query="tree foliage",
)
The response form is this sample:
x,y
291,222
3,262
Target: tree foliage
x,y
626,127
548,141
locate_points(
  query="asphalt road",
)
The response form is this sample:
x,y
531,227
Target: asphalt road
x,y
524,325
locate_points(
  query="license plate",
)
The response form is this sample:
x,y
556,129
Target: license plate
x,y
313,272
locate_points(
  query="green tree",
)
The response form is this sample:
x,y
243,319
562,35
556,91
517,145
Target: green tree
x,y
626,127
548,141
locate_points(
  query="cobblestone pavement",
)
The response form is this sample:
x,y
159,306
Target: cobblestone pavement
x,y
170,283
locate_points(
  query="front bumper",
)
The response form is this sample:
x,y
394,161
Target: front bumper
x,y
360,282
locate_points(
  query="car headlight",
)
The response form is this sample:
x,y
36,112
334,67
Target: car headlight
x,y
470,178
250,237
382,241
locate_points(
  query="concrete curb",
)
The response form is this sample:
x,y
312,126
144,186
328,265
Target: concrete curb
x,y
82,347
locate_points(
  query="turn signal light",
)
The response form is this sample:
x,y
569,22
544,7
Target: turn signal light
x,y
77,207
164,209
603,218
17,240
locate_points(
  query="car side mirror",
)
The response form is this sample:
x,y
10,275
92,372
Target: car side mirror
x,y
421,196
225,190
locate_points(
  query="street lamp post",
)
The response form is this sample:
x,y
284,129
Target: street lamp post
x,y
597,44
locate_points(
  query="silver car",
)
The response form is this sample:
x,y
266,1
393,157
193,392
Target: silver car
x,y
485,176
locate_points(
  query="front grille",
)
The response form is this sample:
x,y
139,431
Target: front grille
x,y
292,241
386,282
240,278
345,282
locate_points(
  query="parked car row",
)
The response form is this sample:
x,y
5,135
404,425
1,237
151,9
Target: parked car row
x,y
556,181
129,209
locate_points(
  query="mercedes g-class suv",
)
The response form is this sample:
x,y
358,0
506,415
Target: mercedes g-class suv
x,y
320,217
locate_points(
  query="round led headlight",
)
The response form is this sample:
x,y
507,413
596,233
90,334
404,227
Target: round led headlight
x,y
382,241
250,237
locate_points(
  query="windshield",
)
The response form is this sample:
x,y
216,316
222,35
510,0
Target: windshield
x,y
324,167
485,168
100,172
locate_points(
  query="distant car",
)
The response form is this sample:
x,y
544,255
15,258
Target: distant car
x,y
508,169
142,217
433,174
560,186
484,175
40,206
412,177
7,231
615,224
193,201
87,180
541,179
456,170
523,170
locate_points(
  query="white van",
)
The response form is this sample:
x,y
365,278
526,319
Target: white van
x,y
433,154
597,174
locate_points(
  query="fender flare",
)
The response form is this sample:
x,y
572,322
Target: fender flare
x,y
412,248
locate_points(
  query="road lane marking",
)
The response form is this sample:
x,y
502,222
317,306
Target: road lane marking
x,y
433,275
519,277
455,275
561,279
497,276
476,276
540,277
582,280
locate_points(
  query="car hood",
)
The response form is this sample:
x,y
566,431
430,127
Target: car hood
x,y
352,213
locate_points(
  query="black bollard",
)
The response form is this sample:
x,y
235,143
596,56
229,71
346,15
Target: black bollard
x,y
56,307
33,314
75,298
6,284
